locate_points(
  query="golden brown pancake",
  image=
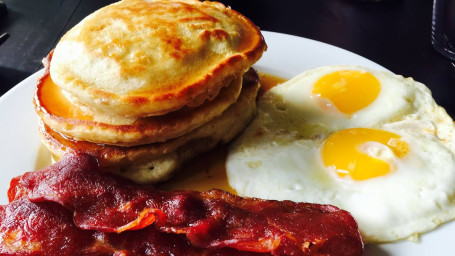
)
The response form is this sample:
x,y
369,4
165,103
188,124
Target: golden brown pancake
x,y
139,58
158,161
80,123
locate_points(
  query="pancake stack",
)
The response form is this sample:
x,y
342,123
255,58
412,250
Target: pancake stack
x,y
146,85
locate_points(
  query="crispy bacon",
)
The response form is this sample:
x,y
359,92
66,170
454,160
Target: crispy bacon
x,y
30,229
47,228
213,219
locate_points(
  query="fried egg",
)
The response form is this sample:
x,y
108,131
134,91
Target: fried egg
x,y
370,142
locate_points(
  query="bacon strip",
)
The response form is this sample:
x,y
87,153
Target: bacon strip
x,y
213,219
47,228
25,229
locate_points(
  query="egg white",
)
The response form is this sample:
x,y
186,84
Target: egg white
x,y
278,156
297,102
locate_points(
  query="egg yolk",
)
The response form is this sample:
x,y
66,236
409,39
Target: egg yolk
x,y
344,152
348,90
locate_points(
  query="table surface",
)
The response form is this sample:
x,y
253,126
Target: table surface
x,y
395,34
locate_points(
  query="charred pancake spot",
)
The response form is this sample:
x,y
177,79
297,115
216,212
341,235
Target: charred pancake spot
x,y
178,50
218,34
202,18
138,101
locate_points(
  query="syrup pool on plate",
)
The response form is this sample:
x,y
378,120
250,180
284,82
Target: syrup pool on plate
x,y
208,170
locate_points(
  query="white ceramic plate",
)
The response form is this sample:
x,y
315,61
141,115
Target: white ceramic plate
x,y
286,56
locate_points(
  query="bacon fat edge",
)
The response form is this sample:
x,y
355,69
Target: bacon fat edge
x,y
213,219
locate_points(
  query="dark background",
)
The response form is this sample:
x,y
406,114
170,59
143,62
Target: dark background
x,y
395,34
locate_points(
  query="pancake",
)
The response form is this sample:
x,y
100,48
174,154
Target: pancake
x,y
156,162
138,58
81,123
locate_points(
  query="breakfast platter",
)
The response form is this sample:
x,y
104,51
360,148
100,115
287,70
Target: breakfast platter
x,y
286,57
